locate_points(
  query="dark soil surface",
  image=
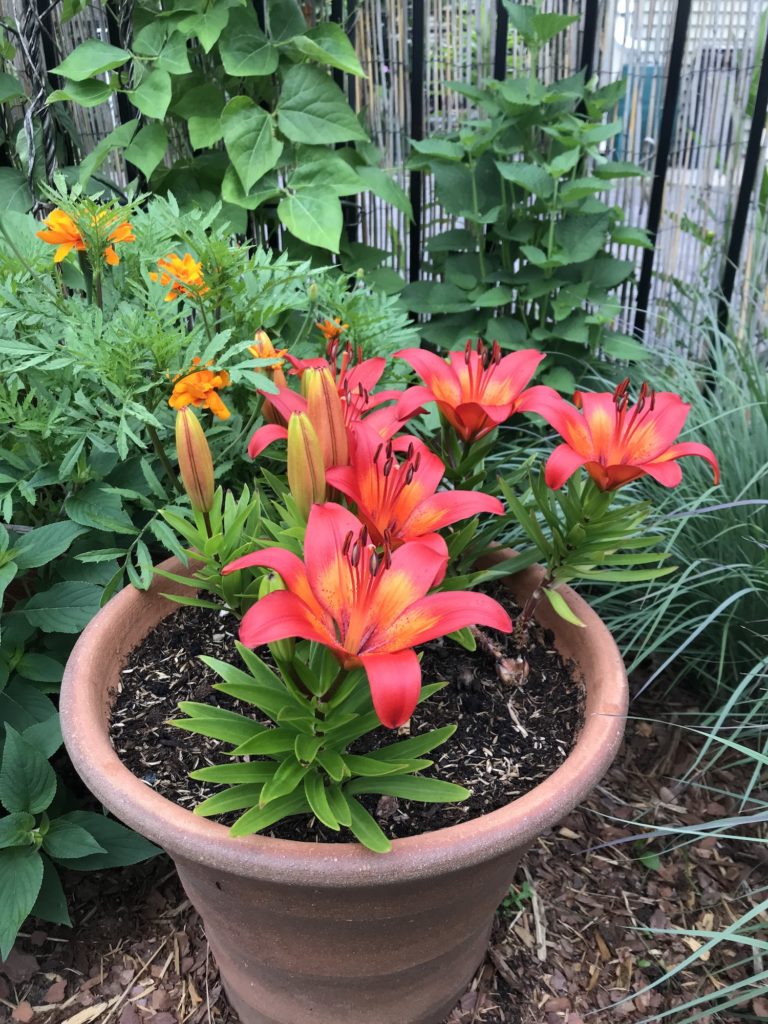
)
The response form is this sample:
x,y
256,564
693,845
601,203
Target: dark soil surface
x,y
510,735
585,926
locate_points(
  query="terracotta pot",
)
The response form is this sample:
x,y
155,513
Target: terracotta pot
x,y
332,933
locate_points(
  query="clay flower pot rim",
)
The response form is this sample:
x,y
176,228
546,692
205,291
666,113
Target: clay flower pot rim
x,y
85,725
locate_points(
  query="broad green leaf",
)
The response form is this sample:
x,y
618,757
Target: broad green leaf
x,y
233,799
338,804
631,236
66,840
313,217
560,605
51,902
259,818
581,237
326,172
411,787
153,95
208,25
91,58
619,169
89,93
386,188
564,163
201,107
531,177
285,20
237,772
44,544
313,110
232,190
117,139
365,828
16,829
250,139
174,57
64,608
10,87
14,191
21,876
99,508
7,574
547,24
244,48
122,845
27,781
148,148
328,43
442,148
150,40
317,798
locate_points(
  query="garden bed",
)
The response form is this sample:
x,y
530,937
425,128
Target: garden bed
x,y
137,954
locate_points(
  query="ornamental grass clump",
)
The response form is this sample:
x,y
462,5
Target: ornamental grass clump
x,y
366,545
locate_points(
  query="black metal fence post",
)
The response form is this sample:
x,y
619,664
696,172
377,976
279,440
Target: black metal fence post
x,y
589,37
418,25
117,27
746,187
666,133
500,47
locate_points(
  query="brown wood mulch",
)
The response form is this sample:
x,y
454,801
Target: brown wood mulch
x,y
575,946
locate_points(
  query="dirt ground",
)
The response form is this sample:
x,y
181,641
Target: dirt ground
x,y
574,939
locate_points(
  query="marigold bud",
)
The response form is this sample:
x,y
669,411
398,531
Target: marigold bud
x,y
282,650
195,462
306,472
312,292
326,412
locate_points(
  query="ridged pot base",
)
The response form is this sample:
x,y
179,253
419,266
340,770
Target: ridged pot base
x,y
330,933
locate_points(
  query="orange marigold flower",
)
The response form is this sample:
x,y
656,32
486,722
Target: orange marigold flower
x,y
200,388
331,329
183,274
264,349
62,231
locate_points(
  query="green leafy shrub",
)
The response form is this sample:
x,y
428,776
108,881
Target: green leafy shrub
x,y
531,261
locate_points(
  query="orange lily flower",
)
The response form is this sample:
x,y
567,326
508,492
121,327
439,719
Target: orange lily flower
x,y
396,499
617,443
369,608
200,388
62,231
477,390
183,274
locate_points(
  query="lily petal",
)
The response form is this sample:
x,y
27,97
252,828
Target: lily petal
x,y
689,448
439,614
395,681
281,615
561,465
264,437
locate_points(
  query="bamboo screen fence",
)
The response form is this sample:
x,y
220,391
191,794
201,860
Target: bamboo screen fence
x,y
694,114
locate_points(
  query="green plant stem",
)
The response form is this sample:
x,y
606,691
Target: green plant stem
x,y
206,323
478,228
334,687
160,451
98,293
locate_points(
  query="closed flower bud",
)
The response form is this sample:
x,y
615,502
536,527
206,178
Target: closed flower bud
x,y
195,462
306,472
312,292
326,412
282,650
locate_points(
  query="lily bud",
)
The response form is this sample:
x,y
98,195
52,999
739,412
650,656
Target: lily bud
x,y
282,650
325,410
306,472
195,462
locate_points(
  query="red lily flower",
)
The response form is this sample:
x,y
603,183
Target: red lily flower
x,y
369,609
396,499
477,390
616,443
